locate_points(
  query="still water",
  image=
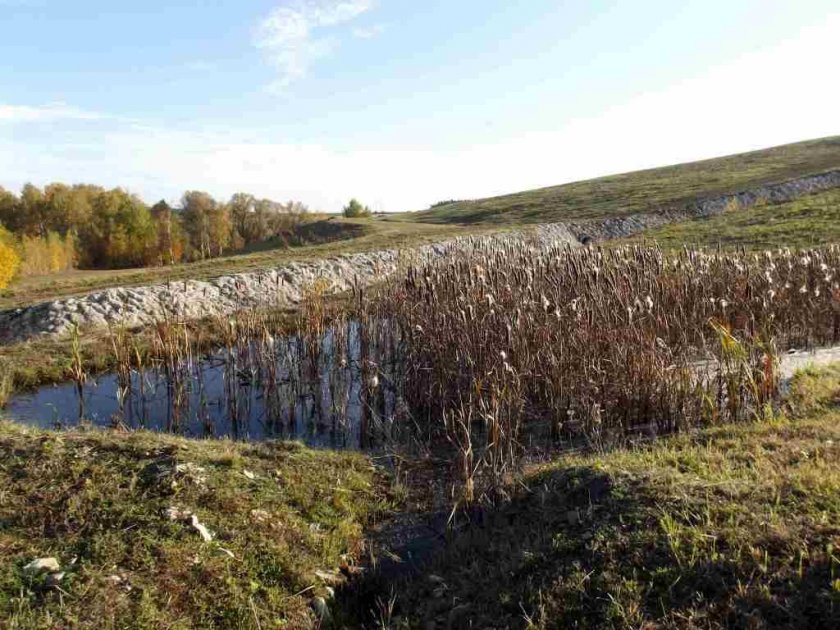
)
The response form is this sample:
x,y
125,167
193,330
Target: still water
x,y
332,395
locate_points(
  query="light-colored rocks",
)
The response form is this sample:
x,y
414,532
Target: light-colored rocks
x,y
206,534
42,565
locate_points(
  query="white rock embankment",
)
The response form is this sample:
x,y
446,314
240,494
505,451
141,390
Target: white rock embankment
x,y
286,285
283,286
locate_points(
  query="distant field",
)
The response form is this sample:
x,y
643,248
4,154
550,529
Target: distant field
x,y
618,195
808,222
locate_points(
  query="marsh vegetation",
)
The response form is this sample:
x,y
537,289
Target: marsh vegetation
x,y
490,356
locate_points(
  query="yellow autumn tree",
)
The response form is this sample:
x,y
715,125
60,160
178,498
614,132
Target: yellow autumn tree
x,y
9,259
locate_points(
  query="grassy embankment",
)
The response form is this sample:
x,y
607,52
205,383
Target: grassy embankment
x,y
811,221
732,526
618,195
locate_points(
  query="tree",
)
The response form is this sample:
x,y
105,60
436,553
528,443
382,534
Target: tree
x,y
30,219
242,207
9,259
9,208
121,232
220,229
356,209
197,208
67,208
169,247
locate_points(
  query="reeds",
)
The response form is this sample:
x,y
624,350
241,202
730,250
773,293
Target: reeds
x,y
487,355
592,346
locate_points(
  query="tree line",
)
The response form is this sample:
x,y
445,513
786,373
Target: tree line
x,y
107,229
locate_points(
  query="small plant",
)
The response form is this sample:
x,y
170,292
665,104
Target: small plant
x,y
77,367
6,382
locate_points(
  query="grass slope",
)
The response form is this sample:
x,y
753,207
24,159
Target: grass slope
x,y
97,501
808,222
734,526
618,195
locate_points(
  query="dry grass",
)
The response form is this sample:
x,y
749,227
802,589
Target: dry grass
x,y
503,349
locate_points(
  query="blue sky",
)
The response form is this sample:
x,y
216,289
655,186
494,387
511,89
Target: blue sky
x,y
400,103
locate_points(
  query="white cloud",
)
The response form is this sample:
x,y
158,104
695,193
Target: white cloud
x,y
291,35
45,113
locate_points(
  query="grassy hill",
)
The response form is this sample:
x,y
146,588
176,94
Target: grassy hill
x,y
627,193
730,527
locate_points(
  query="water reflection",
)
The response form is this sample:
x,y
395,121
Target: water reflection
x,y
334,392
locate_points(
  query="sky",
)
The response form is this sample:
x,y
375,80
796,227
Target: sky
x,y
397,102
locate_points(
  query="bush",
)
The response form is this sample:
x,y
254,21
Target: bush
x,y
355,209
9,258
47,255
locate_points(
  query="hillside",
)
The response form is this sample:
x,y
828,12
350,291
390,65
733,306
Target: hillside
x,y
731,527
619,195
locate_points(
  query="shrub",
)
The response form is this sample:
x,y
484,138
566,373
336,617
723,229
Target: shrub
x,y
50,254
356,209
9,258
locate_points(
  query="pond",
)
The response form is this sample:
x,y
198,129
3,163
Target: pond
x,y
327,394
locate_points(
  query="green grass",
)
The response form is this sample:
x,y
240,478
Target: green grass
x,y
807,222
96,502
734,526
618,195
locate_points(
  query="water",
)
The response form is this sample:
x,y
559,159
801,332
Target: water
x,y
328,394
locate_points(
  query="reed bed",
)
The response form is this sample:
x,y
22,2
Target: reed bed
x,y
490,355
507,346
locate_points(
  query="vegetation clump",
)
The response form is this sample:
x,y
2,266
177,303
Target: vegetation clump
x,y
503,348
61,226
9,258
